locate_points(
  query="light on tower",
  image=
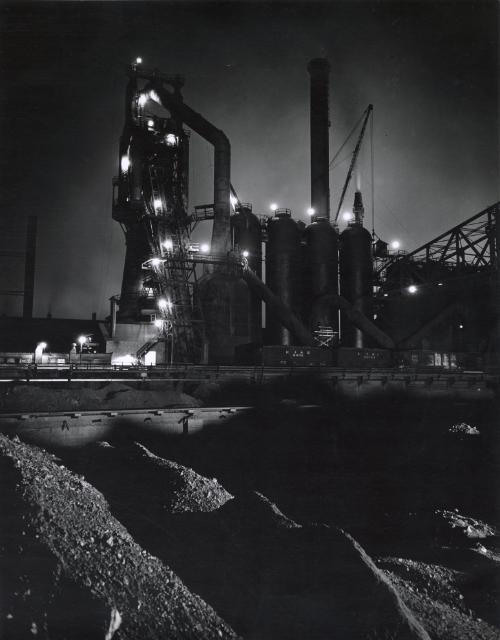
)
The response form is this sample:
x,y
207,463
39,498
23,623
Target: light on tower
x,y
138,60
125,164
412,289
273,207
171,139
395,244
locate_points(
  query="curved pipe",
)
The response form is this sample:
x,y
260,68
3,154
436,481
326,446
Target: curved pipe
x,y
221,233
360,321
280,309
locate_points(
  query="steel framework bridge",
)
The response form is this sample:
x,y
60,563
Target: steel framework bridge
x,y
467,249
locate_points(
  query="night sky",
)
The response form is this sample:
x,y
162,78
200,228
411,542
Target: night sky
x,y
430,69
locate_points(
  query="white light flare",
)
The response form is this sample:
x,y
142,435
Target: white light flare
x,y
82,340
273,206
395,244
245,254
165,304
205,247
143,98
158,323
154,96
171,140
311,211
347,216
138,60
234,201
412,289
168,244
151,123
156,262
125,164
157,204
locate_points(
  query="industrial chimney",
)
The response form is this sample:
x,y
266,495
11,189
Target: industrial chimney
x,y
319,70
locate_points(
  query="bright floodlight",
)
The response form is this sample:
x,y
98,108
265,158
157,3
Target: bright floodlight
x,y
159,323
156,262
168,244
412,289
143,98
204,248
151,123
245,254
347,215
125,164
171,139
460,326
138,60
82,340
395,244
273,207
310,211
162,303
157,204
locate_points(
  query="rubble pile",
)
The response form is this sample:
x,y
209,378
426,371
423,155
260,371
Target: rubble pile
x,y
70,568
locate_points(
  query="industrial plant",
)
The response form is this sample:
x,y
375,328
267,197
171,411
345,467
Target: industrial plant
x,y
145,457
267,289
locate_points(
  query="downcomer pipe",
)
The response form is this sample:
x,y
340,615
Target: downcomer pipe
x,y
221,233
319,70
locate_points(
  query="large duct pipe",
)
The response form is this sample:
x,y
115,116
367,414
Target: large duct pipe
x,y
221,234
360,321
279,309
319,70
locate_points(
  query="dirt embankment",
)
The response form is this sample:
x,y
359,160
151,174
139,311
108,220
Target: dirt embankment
x,y
64,396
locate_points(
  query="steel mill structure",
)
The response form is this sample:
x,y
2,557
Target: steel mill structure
x,y
325,296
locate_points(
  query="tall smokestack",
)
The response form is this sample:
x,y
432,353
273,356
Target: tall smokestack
x,y
319,70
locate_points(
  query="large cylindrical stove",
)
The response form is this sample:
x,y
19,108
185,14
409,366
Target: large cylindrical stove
x,y
283,271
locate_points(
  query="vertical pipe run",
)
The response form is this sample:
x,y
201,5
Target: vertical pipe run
x,y
29,268
319,70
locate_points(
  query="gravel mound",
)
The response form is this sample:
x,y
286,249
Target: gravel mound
x,y
71,570
183,490
454,527
441,598
465,429
150,484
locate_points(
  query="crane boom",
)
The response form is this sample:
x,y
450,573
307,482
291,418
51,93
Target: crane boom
x,y
354,158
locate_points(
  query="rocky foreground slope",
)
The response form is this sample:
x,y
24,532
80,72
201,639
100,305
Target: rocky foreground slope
x,y
71,569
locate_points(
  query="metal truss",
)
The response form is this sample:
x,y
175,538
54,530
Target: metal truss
x,y
469,248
